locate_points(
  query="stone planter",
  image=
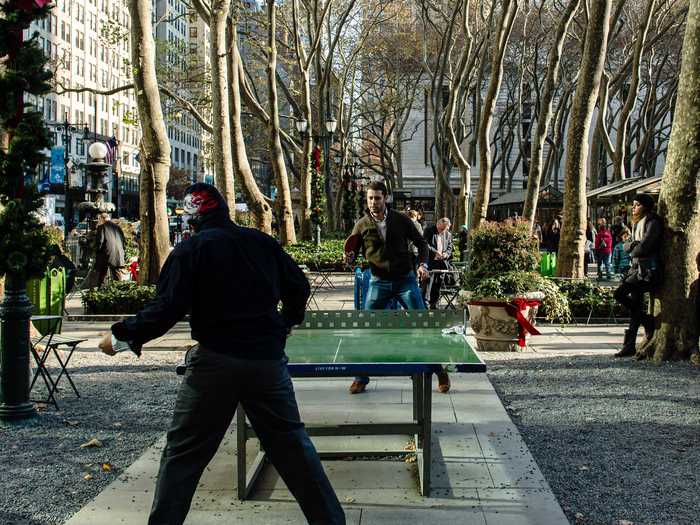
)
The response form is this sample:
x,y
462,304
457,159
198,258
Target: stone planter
x,y
496,322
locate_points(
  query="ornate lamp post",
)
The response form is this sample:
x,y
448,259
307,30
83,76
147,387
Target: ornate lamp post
x,y
316,184
67,130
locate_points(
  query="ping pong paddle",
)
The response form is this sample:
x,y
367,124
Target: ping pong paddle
x,y
352,247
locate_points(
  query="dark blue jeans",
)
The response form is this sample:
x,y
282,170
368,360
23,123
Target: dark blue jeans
x,y
381,291
213,386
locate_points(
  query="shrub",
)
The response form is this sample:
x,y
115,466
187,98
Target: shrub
x,y
328,256
117,297
585,297
505,286
500,247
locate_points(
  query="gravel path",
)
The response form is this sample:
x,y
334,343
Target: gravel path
x,y
617,440
126,404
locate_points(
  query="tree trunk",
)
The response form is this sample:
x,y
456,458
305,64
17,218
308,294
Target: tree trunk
x,y
679,206
223,161
307,147
257,203
534,177
284,196
155,146
510,8
570,259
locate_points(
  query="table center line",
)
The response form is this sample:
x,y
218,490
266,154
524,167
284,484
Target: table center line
x,y
337,349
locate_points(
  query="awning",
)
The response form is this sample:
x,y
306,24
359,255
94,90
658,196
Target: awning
x,y
622,187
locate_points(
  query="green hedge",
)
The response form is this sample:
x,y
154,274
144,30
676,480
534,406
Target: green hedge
x,y
119,297
328,256
586,297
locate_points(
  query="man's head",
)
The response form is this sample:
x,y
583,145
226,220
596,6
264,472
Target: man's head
x,y
642,205
376,197
443,224
602,223
102,218
202,200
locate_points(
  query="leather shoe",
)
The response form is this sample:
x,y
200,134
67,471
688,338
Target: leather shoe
x,y
357,387
443,383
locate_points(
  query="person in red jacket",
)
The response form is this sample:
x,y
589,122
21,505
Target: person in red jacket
x,y
603,248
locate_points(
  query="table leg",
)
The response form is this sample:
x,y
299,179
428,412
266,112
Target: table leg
x,y
427,434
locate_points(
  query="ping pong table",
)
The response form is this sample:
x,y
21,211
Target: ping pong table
x,y
390,343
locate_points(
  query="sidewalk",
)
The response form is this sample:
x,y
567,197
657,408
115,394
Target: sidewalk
x,y
483,473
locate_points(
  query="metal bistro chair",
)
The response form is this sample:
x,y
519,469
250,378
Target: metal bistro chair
x,y
50,343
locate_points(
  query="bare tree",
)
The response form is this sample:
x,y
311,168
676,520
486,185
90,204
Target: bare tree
x,y
284,200
544,118
679,206
500,42
570,260
155,146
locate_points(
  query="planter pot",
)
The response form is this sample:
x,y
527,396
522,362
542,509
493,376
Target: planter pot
x,y
503,326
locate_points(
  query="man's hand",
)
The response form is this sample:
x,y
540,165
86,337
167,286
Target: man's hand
x,y
106,344
422,273
439,256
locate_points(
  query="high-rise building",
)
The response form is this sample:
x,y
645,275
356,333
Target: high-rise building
x,y
87,43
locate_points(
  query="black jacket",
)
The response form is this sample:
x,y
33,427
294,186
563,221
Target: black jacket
x,y
390,259
431,235
231,279
109,242
649,248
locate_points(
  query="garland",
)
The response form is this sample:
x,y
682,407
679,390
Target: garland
x,y
349,201
23,240
317,194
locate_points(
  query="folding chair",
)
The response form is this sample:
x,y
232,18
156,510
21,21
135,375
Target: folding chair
x,y
42,347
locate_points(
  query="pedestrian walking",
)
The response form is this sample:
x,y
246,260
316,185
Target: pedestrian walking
x,y
109,249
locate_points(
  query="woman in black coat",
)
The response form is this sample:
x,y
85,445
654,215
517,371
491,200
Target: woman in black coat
x,y
644,248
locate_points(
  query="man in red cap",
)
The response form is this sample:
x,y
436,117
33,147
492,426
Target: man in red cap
x,y
231,280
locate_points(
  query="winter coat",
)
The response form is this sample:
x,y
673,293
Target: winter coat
x,y
231,280
621,260
603,235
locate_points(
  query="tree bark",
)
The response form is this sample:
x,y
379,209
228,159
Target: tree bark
x,y
155,146
223,161
679,206
505,26
534,177
570,259
260,209
284,196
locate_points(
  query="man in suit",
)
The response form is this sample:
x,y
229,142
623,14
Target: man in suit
x,y
439,241
109,245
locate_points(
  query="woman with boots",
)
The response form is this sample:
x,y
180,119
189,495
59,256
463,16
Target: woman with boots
x,y
644,248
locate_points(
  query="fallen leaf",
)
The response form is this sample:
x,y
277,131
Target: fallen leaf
x,y
87,477
117,424
578,516
625,522
349,500
71,423
583,467
94,442
410,459
106,467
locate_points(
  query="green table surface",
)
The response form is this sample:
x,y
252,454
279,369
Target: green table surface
x,y
386,346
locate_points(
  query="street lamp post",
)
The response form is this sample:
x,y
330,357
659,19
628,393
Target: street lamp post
x,y
325,139
68,130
